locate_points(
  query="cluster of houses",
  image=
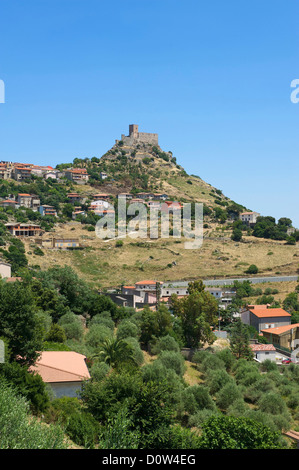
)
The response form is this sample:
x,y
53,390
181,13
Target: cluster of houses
x,y
150,292
274,324
29,201
101,202
24,171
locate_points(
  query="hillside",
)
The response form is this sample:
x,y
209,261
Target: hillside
x,y
141,166
135,165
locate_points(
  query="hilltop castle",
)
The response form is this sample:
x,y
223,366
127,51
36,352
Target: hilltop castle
x,y
136,137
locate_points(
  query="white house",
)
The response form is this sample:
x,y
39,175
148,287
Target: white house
x,y
249,218
264,351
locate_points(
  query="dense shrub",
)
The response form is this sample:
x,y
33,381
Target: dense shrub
x,y
272,403
19,430
227,395
29,385
173,360
211,362
201,416
96,335
197,398
166,343
99,370
228,432
72,326
216,379
104,319
127,328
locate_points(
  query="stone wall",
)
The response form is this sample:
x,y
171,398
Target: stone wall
x,y
135,137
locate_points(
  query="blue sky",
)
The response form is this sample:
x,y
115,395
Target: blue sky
x,y
211,77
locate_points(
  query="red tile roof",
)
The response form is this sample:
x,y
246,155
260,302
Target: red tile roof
x,y
280,329
262,347
269,312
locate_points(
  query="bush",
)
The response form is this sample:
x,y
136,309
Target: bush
x,y
126,329
228,432
227,357
83,429
19,430
72,326
237,408
103,319
166,343
272,403
29,385
196,398
73,330
96,335
228,395
78,424
211,362
293,401
38,251
56,334
174,361
99,370
216,379
137,352
200,417
253,269
268,365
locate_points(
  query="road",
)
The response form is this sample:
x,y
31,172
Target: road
x,y
225,282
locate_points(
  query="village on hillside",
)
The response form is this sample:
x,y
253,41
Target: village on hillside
x,y
83,336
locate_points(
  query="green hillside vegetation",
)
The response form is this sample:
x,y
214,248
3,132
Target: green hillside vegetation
x,y
229,247
141,393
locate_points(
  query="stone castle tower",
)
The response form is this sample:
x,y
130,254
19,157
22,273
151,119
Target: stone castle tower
x,y
135,137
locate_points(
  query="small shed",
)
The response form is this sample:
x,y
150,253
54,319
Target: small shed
x,y
263,352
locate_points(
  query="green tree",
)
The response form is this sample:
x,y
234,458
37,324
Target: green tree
x,y
197,312
237,235
228,432
18,322
239,341
116,352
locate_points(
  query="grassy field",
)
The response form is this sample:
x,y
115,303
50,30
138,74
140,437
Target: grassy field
x,y
104,265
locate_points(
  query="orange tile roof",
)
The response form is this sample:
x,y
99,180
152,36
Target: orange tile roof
x,y
281,329
24,194
61,366
269,312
